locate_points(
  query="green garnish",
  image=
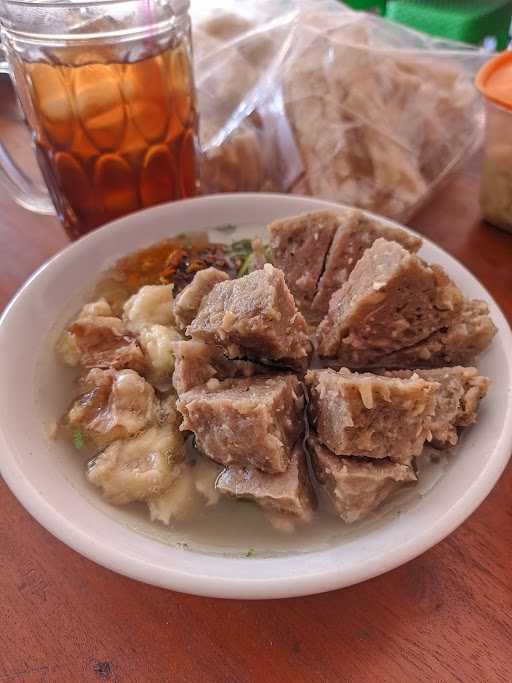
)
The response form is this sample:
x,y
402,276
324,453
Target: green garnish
x,y
78,439
241,248
250,553
241,252
245,265
246,257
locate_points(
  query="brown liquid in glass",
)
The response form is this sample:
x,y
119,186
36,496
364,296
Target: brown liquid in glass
x,y
112,138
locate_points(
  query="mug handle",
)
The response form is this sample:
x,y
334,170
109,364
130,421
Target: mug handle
x,y
22,189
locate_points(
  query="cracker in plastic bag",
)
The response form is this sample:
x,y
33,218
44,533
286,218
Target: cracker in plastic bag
x,y
308,96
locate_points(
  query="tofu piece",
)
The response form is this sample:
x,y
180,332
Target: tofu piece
x,y
299,248
148,316
179,501
254,421
369,415
105,342
391,300
456,401
290,493
101,307
193,488
356,233
189,300
151,305
67,348
357,487
139,468
460,343
254,317
99,339
157,342
113,405
197,362
206,473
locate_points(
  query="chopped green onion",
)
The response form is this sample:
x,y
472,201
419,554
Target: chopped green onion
x,y
245,265
242,251
241,247
78,439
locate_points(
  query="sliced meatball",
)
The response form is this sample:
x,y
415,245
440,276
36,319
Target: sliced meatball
x,y
456,401
357,487
390,301
318,251
300,245
459,343
253,422
197,362
356,233
254,317
369,415
187,303
289,493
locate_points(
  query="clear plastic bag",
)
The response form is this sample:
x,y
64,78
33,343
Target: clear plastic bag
x,y
307,96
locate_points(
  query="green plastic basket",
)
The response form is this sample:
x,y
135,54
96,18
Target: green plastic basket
x,y
378,6
469,21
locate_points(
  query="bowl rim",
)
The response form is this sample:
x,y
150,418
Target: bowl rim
x,y
173,578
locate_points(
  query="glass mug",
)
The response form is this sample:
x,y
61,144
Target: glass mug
x,y
107,90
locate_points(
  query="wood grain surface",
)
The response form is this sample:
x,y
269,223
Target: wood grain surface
x,y
446,616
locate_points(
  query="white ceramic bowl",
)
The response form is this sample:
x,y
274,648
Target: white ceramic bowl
x,y
53,489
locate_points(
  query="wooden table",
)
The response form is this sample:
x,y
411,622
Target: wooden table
x,y
445,616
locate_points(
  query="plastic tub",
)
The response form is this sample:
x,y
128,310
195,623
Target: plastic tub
x,y
494,81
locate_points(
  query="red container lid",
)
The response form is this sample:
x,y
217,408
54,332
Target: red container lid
x,y
494,80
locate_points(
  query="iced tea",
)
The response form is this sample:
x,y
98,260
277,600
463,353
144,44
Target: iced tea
x,y
111,137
